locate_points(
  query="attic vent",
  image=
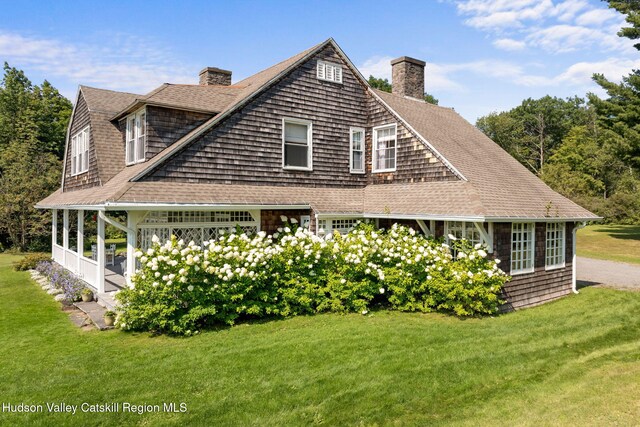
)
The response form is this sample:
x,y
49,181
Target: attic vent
x,y
329,72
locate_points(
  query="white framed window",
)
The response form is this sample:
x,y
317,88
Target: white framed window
x,y
80,152
296,144
329,71
305,221
555,245
136,137
522,247
463,230
326,226
356,143
384,148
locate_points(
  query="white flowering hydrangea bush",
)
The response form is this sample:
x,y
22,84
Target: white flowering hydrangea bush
x,y
182,288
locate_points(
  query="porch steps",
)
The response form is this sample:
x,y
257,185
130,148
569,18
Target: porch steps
x,y
106,300
95,313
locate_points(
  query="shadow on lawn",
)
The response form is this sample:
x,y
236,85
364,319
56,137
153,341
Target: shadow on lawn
x,y
629,232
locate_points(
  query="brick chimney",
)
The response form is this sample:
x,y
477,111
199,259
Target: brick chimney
x,y
407,77
215,76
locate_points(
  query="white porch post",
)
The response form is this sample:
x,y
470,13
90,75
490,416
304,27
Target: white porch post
x,y
65,235
133,218
80,239
54,230
574,256
100,255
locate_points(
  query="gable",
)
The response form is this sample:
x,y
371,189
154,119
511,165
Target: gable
x,y
247,146
79,121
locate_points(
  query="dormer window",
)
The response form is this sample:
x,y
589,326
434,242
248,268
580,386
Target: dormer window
x,y
136,137
329,71
80,152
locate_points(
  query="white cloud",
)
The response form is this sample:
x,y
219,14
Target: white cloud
x,y
596,17
509,44
568,38
377,66
558,28
128,64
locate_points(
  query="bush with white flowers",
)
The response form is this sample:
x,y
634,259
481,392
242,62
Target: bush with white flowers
x,y
182,288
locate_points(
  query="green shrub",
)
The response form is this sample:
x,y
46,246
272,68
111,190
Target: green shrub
x,y
30,261
182,288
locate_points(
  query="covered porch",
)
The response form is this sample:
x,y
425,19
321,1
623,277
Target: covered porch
x,y
80,237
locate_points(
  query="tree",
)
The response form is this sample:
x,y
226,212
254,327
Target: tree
x,y
33,121
533,130
384,85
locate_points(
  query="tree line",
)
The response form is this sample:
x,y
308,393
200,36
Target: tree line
x,y
33,125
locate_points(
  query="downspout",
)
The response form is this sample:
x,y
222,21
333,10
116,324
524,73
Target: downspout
x,y
574,265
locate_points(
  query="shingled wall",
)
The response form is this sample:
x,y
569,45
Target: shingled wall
x,y
542,285
166,125
90,178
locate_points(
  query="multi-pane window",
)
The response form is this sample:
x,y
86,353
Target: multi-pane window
x,y
463,230
522,247
384,148
357,150
555,245
136,133
296,144
80,152
326,227
329,71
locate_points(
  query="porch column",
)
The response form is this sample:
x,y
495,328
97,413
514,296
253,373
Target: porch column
x,y
65,235
54,231
100,255
80,240
133,218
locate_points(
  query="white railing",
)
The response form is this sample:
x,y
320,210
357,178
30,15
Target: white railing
x,y
58,254
88,270
71,261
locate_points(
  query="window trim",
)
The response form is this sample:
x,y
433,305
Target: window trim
x,y
351,150
548,266
533,250
127,138
75,171
447,231
309,125
325,65
374,154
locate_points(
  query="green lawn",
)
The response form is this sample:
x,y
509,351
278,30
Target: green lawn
x,y
610,242
572,362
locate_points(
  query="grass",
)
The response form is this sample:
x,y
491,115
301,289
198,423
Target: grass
x,y
610,242
572,362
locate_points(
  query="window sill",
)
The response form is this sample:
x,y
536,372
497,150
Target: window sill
x,y
136,162
554,267
520,272
383,170
357,172
296,168
79,173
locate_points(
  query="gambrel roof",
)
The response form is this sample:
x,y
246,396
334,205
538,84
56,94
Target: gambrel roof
x,y
490,183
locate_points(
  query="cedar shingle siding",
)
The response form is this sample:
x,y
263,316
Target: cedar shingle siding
x,y
247,148
540,286
414,161
90,178
165,126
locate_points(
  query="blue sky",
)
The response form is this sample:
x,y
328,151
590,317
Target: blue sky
x,y
481,55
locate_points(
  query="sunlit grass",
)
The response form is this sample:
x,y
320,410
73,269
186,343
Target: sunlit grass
x,y
571,362
610,242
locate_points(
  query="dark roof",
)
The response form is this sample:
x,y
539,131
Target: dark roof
x,y
102,104
504,187
492,184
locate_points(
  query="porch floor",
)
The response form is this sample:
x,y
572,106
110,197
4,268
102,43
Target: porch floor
x,y
113,276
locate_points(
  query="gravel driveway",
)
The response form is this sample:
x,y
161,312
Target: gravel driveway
x,y
619,275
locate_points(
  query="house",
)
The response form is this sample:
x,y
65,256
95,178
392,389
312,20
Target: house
x,y
310,139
